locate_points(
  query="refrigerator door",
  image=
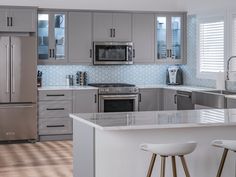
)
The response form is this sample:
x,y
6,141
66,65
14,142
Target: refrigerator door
x,y
18,122
23,70
4,69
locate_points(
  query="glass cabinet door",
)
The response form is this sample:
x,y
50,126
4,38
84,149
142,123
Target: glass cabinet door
x,y
170,39
51,37
59,36
161,37
43,36
176,28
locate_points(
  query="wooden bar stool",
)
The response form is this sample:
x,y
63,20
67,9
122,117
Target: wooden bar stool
x,y
166,150
227,145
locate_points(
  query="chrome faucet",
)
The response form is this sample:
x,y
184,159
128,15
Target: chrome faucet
x,y
227,77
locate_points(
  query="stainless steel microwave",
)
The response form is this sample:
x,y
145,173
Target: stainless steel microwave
x,y
112,53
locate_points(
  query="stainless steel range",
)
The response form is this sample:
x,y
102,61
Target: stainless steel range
x,y
117,97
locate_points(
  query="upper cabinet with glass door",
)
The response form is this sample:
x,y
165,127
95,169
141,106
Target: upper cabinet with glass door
x,y
171,38
52,38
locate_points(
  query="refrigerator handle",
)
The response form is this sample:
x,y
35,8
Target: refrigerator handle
x,y
7,69
12,69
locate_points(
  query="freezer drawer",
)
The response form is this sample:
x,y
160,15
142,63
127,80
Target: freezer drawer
x,y
54,126
18,122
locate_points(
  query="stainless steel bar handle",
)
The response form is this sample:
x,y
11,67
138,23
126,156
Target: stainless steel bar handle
x,y
182,95
119,96
12,69
16,106
7,69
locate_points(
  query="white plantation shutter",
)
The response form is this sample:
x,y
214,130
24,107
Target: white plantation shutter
x,y
211,46
234,36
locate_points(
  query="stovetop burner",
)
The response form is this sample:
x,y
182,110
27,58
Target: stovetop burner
x,y
111,85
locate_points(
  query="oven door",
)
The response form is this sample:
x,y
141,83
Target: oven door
x,y
118,103
112,53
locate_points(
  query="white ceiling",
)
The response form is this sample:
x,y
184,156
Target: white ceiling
x,y
146,5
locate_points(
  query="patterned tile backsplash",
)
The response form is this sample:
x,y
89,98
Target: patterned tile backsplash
x,y
135,74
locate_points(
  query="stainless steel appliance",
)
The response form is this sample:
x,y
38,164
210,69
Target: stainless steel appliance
x,y
174,75
113,53
117,97
18,88
183,99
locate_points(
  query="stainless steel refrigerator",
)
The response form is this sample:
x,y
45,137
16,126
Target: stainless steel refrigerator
x,y
18,89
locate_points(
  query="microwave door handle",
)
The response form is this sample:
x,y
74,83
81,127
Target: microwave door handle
x,y
127,53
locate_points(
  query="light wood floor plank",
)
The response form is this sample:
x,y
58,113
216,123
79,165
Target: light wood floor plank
x,y
43,159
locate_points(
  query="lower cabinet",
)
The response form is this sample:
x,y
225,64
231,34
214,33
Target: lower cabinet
x,y
169,100
54,108
85,101
149,99
231,103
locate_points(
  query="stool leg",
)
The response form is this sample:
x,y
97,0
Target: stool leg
x,y
222,162
174,166
163,166
151,165
184,166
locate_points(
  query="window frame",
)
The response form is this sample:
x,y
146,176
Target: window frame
x,y
204,18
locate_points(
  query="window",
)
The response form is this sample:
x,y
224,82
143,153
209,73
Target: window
x,y
234,35
211,39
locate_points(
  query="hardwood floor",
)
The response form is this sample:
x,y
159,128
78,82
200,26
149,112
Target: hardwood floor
x,y
42,159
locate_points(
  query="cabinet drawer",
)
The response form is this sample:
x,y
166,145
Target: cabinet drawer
x,y
54,109
55,126
55,95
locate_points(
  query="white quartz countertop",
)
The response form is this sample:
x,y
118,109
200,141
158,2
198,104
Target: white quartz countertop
x,y
180,87
66,88
176,87
158,119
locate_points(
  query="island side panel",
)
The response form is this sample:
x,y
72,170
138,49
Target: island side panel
x,y
118,153
83,150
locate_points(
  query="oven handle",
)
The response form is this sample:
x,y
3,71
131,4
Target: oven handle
x,y
110,97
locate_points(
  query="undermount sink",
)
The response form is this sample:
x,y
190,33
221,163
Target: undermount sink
x,y
211,98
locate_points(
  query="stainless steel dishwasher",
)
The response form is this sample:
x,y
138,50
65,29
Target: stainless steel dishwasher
x,y
183,99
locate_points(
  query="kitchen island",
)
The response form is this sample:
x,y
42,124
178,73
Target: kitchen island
x,y
107,144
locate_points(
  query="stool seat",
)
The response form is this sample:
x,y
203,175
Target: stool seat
x,y
227,144
177,149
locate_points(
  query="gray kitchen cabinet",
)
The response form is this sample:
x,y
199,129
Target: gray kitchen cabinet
x,y
112,26
52,37
80,37
18,19
231,103
171,34
169,99
150,99
54,107
85,101
143,37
